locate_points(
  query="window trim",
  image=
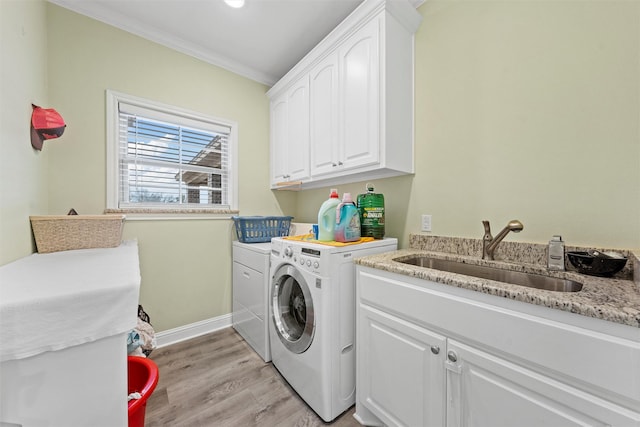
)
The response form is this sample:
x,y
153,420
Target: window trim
x,y
113,100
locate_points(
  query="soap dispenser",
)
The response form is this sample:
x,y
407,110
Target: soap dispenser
x,y
556,254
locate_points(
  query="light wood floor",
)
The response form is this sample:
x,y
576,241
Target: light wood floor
x,y
218,380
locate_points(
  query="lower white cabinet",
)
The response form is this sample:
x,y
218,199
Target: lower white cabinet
x,y
486,390
429,358
402,379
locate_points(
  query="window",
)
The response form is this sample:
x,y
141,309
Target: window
x,y
165,158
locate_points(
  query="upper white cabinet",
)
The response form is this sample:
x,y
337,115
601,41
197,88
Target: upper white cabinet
x,y
324,147
359,122
359,95
290,133
345,91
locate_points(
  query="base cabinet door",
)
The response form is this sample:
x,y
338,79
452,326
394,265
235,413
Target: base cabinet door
x,y
400,371
485,390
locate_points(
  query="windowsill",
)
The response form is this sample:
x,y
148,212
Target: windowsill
x,y
168,214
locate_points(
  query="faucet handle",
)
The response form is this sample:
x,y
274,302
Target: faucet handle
x,y
487,227
486,240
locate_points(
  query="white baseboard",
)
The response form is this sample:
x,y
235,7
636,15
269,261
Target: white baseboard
x,y
192,330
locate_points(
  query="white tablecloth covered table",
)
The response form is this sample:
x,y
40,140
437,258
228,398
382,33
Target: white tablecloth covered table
x,y
64,320
57,300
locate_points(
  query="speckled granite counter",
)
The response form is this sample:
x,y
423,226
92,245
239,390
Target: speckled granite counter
x,y
613,299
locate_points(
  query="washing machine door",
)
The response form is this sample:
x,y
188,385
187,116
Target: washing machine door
x,y
292,308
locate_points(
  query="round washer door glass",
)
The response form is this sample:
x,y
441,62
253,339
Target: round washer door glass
x,y
292,307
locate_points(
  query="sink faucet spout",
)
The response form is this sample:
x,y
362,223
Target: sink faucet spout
x,y
490,243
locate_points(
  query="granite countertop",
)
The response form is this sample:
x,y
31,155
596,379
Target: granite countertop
x,y
613,299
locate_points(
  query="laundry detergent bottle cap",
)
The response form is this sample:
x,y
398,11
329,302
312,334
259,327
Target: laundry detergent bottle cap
x,y
347,221
327,217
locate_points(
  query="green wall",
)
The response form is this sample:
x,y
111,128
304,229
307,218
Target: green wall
x,y
185,264
23,80
524,110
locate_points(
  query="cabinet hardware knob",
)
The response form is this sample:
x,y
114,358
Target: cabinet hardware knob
x,y
435,349
452,356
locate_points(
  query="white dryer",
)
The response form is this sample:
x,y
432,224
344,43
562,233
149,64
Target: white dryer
x,y
312,327
250,315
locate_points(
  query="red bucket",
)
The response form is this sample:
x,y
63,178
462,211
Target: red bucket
x,y
142,377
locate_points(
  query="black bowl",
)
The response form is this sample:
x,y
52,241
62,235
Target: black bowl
x,y
596,265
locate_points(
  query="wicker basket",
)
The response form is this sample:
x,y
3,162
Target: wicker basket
x,y
55,233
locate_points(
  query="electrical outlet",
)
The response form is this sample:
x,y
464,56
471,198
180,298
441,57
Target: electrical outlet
x,y
426,222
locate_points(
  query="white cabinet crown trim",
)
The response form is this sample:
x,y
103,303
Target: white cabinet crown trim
x,y
369,9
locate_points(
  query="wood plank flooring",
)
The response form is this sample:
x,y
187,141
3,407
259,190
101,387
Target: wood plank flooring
x,y
218,380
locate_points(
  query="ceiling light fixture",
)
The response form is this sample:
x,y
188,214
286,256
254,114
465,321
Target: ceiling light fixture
x,y
235,3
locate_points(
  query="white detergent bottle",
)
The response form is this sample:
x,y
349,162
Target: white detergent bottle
x,y
327,217
347,221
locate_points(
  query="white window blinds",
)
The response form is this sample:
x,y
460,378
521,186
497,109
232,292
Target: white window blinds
x,y
171,160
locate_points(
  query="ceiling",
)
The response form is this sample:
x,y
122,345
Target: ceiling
x,y
261,41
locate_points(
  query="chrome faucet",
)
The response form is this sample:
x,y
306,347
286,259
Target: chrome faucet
x,y
490,243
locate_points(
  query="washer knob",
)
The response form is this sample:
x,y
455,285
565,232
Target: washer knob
x,y
308,263
288,251
316,264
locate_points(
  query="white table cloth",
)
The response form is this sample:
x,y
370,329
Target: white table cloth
x,y
57,300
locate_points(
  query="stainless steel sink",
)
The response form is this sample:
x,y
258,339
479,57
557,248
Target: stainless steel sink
x,y
484,272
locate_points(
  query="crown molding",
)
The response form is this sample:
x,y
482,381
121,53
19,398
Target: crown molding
x,y
156,35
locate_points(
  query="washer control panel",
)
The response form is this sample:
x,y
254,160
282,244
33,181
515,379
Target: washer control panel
x,y
307,258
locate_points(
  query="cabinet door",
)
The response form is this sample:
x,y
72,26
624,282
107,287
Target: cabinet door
x,y
360,97
290,134
400,376
279,132
298,130
485,390
323,93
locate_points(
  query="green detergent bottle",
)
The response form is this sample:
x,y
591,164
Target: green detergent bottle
x,y
371,209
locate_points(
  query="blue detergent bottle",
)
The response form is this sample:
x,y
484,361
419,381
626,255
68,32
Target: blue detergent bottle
x,y
327,217
347,221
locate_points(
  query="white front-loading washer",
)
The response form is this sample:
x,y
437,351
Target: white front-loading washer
x,y
312,327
